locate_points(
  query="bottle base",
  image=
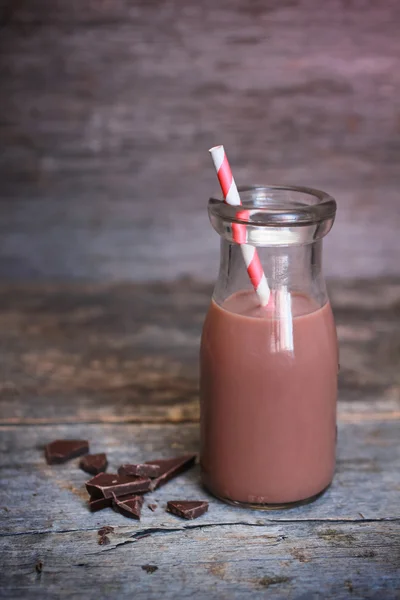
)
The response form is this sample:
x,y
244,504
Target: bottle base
x,y
266,506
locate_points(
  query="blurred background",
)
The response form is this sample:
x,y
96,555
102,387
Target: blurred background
x,y
108,108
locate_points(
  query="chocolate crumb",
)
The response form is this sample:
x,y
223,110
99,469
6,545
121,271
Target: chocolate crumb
x,y
106,529
152,507
149,568
267,581
39,567
349,585
103,540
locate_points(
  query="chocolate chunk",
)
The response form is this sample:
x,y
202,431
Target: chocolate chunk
x,y
152,507
106,529
94,463
96,504
60,451
149,568
129,508
171,467
105,485
187,509
141,469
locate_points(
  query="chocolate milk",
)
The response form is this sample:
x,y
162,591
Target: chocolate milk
x,y
268,400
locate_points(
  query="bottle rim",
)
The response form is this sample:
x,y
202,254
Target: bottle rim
x,y
285,205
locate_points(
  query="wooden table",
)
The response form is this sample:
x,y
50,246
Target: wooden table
x,y
117,364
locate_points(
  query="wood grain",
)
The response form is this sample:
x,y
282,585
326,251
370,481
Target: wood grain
x,y
107,110
345,545
129,352
278,560
367,480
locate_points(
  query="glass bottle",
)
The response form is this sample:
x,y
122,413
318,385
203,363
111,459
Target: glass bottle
x,y
268,375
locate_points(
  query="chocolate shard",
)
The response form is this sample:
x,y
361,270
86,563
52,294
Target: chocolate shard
x,y
152,507
60,451
105,485
140,470
187,509
171,467
94,463
96,504
129,508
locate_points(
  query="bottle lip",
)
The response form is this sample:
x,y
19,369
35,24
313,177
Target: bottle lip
x,y
275,205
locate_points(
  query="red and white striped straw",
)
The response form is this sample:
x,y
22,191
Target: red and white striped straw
x,y
231,196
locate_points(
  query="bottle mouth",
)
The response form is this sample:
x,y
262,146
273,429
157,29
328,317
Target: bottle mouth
x,y
275,215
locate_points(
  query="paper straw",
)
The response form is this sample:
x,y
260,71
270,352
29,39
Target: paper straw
x,y
231,196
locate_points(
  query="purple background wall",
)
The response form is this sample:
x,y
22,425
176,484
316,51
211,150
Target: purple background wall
x,y
107,109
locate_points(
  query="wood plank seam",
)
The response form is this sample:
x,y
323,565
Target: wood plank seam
x,y
266,523
342,418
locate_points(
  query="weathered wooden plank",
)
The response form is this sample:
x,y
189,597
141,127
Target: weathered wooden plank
x,y
280,560
37,497
129,353
98,168
90,353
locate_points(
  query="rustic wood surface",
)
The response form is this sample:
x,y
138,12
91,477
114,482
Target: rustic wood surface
x,y
107,109
117,364
367,479
128,353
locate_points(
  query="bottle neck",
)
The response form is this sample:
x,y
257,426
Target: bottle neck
x,y
293,269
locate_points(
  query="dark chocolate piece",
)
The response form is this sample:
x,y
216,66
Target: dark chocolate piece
x,y
129,508
60,451
140,470
149,568
187,509
105,485
171,467
106,529
152,507
94,463
96,504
